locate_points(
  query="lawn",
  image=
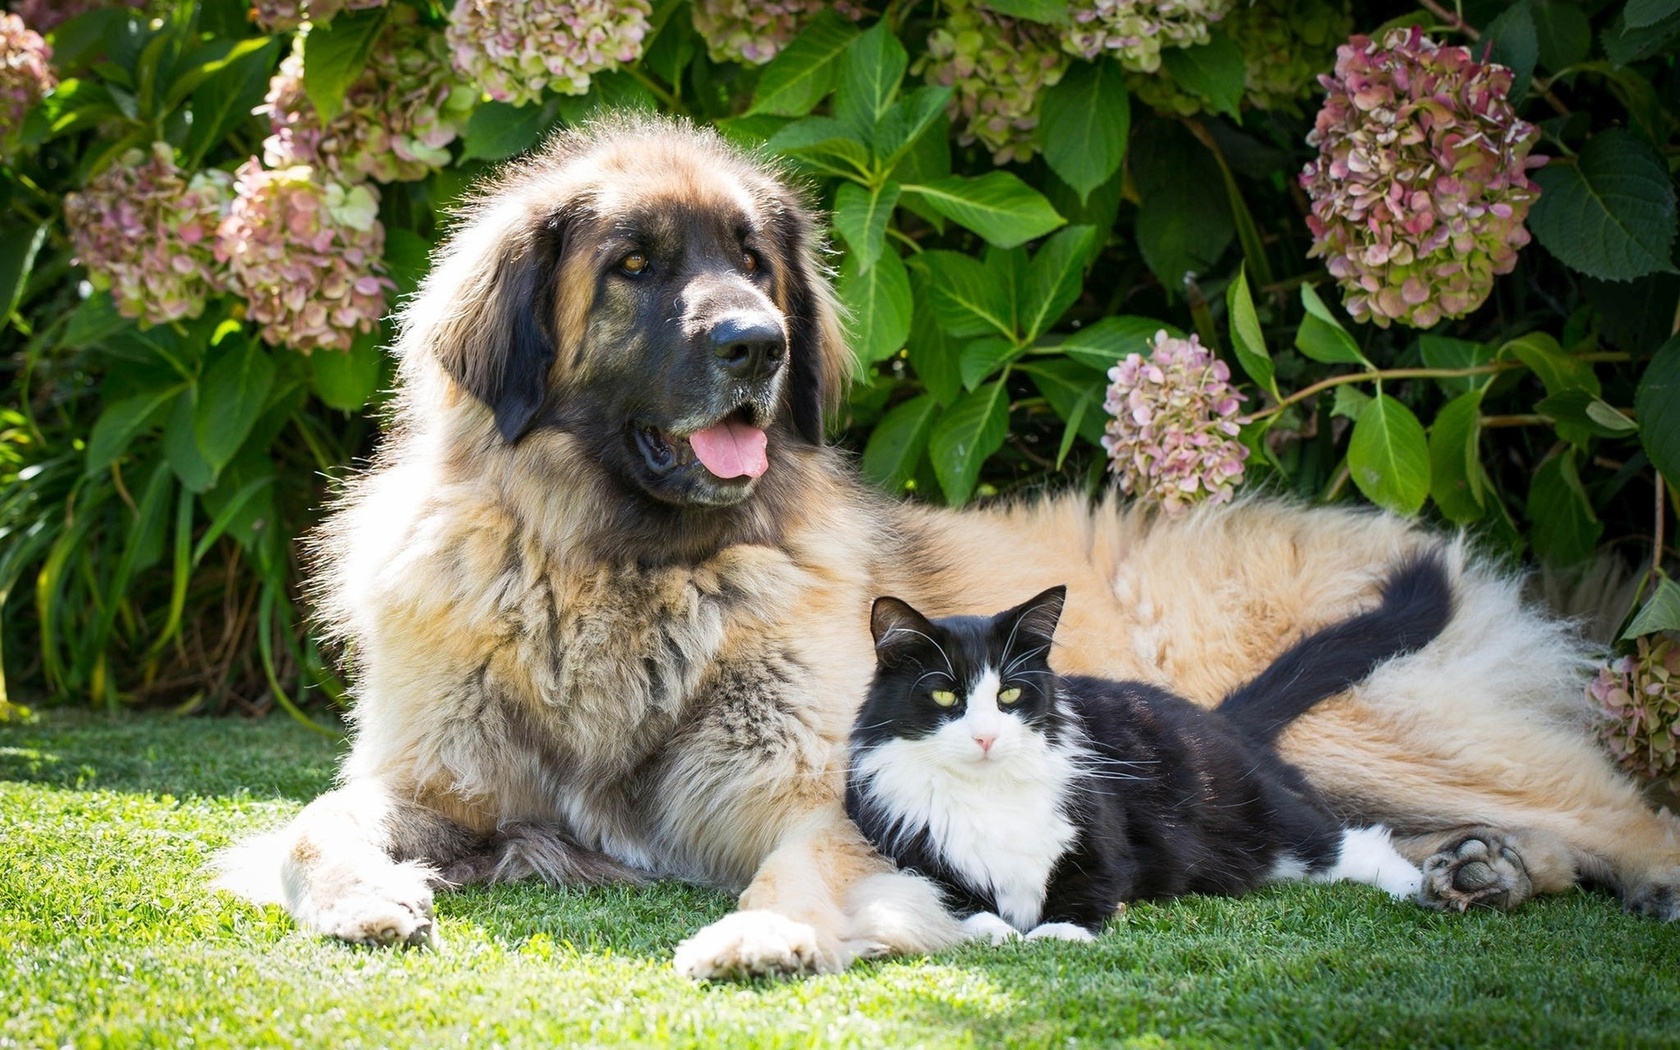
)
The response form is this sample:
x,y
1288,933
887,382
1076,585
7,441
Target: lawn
x,y
110,938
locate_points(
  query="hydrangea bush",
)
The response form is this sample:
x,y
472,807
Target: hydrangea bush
x,y
1637,699
211,208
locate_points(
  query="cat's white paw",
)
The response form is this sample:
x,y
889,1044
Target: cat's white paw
x,y
754,944
984,926
1061,931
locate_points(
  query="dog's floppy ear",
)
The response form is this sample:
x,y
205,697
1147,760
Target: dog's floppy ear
x,y
819,361
499,343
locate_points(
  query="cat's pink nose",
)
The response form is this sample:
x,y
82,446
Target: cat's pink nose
x,y
985,742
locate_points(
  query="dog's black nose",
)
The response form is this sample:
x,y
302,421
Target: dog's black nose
x,y
748,347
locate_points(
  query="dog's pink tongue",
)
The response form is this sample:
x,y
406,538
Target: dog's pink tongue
x,y
731,449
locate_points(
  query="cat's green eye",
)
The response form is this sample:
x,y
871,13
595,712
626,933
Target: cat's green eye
x,y
1009,696
944,697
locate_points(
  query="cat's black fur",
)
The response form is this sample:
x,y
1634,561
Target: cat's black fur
x,y
1167,798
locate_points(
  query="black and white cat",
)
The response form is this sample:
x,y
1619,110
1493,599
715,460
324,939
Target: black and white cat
x,y
1048,800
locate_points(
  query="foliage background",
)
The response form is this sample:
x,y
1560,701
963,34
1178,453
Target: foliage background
x,y
1010,219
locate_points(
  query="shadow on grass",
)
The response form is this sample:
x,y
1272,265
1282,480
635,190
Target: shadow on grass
x,y
159,755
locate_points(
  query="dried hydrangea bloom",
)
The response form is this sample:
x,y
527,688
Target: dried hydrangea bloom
x,y
1420,187
25,72
514,49
997,68
305,251
44,16
1173,436
753,33
1284,44
1136,31
283,16
1637,699
146,232
399,116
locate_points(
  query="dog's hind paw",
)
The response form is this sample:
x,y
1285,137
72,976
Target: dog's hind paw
x,y
1656,899
392,911
1479,871
754,944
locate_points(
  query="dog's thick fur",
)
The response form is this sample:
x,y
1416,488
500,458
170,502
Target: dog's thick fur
x,y
579,654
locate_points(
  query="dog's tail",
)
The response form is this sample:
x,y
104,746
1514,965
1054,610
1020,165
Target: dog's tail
x,y
1417,603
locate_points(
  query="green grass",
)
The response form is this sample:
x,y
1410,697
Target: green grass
x,y
109,937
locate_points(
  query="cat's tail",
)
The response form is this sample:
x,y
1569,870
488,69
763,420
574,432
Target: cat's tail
x,y
1417,602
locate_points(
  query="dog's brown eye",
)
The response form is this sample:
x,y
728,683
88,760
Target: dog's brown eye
x,y
749,261
634,263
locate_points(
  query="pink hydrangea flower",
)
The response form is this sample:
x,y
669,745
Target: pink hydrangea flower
x,y
514,49
1172,438
997,68
754,33
1420,187
283,16
146,231
25,73
304,251
1637,699
1136,31
399,116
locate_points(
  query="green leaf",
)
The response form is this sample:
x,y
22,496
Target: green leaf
x,y
206,62
997,205
1083,124
122,421
230,398
1586,412
347,381
878,304
1641,13
225,100
497,130
1515,45
180,444
1610,215
335,54
1322,337
1103,344
1556,369
870,71
804,72
1213,71
898,442
983,357
1349,402
1055,278
825,143
19,244
1625,45
1562,526
933,354
1246,337
967,298
907,121
1661,612
1075,392
1439,351
1054,12
1457,482
1183,225
861,217
1657,406
969,432
1561,28
1388,456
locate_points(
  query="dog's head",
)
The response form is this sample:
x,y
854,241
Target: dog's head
x,y
650,291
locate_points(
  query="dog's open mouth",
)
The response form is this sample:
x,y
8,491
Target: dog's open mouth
x,y
733,447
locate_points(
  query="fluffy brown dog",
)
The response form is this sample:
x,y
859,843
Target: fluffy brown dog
x,y
607,597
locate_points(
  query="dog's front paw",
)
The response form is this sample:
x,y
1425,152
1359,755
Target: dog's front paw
x,y
1477,872
984,926
392,910
1061,931
1657,898
754,944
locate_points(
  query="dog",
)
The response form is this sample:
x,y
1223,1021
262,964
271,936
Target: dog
x,y
605,592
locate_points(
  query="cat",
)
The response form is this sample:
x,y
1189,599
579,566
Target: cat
x,y
1041,802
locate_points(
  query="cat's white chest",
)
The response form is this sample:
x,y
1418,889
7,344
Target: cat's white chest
x,y
998,821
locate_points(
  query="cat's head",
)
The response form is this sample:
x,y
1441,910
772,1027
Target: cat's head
x,y
979,684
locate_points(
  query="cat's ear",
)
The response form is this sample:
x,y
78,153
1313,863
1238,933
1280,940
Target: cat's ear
x,y
892,621
1037,615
